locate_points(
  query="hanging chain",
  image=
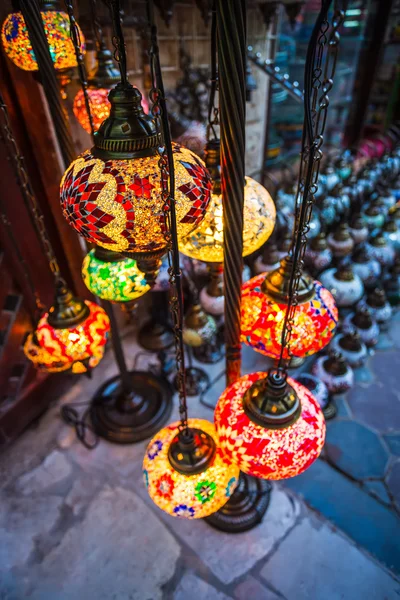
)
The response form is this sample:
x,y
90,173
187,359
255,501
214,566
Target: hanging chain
x,y
318,82
76,40
25,185
166,164
97,28
213,111
118,38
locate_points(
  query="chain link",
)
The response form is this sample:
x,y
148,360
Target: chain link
x,y
176,307
26,188
76,40
118,38
323,66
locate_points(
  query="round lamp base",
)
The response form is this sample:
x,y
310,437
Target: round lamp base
x,y
197,381
127,419
245,508
155,336
330,410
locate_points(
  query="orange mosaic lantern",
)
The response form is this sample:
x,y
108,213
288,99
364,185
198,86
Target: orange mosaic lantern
x,y
269,427
263,309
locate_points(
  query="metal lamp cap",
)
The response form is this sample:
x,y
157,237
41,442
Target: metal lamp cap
x,y
351,341
378,240
357,222
376,298
319,243
342,233
362,318
128,132
361,254
271,402
191,451
277,283
344,272
106,73
67,310
108,255
212,158
335,364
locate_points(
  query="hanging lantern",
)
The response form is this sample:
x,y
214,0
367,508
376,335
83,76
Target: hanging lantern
x,y
188,477
71,336
17,45
263,308
113,277
112,195
206,242
269,427
105,76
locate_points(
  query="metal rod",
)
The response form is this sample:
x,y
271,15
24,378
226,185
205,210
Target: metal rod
x,y
31,13
269,68
231,24
118,349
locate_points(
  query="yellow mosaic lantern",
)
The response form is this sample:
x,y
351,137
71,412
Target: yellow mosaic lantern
x,y
188,495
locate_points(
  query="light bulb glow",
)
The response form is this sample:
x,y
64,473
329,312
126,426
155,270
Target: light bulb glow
x,y
119,281
206,241
262,321
118,204
78,348
17,45
181,495
269,453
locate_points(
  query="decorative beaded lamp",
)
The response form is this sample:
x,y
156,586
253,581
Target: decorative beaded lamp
x,y
365,266
381,250
17,45
333,370
365,325
345,286
187,474
112,195
206,241
378,305
358,229
351,346
340,241
112,276
71,336
318,255
271,427
263,308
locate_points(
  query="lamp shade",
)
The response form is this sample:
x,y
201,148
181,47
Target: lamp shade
x,y
263,314
77,348
17,45
117,204
207,240
269,453
183,495
119,281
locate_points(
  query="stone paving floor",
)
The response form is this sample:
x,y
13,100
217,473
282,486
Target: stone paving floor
x,y
78,524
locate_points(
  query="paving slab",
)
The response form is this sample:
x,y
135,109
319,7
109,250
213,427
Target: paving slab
x,y
231,557
377,405
192,587
315,562
393,442
354,511
120,551
378,489
393,482
356,450
252,589
54,469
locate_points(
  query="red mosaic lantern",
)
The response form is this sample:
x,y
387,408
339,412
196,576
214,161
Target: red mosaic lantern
x,y
270,436
263,309
113,196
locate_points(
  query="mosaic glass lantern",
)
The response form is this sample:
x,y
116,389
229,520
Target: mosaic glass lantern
x,y
71,336
269,427
18,48
263,309
113,277
206,242
345,285
170,481
112,196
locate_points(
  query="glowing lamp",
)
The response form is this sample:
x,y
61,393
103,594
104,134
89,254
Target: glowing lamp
x,y
269,427
113,277
188,476
263,308
71,336
17,45
112,195
206,241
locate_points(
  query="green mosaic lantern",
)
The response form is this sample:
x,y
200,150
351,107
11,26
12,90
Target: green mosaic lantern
x,y
113,277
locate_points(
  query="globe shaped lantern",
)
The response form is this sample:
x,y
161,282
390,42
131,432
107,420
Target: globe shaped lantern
x,y
18,48
112,195
206,242
263,309
187,474
269,426
112,276
70,337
